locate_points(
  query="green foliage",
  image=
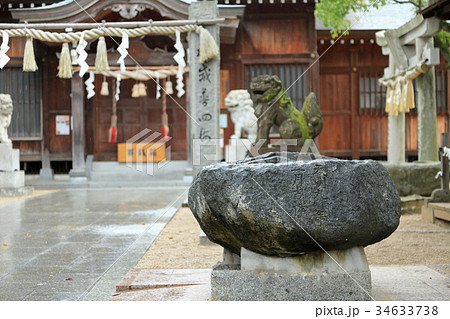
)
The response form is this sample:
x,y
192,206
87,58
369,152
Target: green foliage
x,y
442,40
333,12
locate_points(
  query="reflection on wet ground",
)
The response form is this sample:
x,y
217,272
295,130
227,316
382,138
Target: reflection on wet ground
x,y
78,244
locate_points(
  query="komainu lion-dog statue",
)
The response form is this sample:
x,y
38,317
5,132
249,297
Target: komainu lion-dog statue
x,y
6,109
240,106
273,106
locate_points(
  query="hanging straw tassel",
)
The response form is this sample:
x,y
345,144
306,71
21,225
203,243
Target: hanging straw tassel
x,y
389,99
410,95
168,87
29,62
403,105
104,90
208,46
101,59
65,63
112,133
135,91
142,89
396,98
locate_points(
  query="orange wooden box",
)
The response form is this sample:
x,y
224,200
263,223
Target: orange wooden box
x,y
151,152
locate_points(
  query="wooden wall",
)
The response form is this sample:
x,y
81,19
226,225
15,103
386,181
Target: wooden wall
x,y
133,115
349,131
263,38
56,99
30,148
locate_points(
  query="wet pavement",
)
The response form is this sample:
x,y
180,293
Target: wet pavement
x,y
77,244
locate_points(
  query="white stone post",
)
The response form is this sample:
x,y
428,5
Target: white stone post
x,y
396,128
426,108
204,92
396,138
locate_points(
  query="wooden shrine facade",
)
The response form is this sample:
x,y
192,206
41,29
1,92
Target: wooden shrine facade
x,y
352,101
53,97
278,38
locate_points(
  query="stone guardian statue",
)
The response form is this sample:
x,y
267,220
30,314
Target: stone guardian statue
x,y
6,109
240,105
273,106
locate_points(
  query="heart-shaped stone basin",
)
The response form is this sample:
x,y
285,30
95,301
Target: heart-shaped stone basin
x,y
286,204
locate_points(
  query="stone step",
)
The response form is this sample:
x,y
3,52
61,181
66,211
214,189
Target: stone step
x,y
440,211
110,171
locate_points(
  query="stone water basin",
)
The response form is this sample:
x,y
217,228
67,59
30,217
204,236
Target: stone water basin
x,y
287,204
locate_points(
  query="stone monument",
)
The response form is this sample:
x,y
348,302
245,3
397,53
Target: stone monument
x,y
204,97
293,225
12,179
242,113
274,107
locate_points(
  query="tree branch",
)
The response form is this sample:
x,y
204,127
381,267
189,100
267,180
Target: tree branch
x,y
408,1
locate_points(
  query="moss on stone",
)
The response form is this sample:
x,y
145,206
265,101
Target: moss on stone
x,y
291,111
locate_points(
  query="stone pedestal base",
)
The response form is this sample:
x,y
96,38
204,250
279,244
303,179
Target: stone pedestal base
x,y
12,184
78,175
337,276
204,240
14,179
46,174
9,158
14,192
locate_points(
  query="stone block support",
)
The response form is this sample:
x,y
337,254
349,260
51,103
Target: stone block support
x,y
333,276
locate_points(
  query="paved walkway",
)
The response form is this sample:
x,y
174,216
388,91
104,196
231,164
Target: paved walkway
x,y
77,244
402,283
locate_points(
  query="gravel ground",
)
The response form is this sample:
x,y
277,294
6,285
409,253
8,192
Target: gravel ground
x,y
177,246
414,243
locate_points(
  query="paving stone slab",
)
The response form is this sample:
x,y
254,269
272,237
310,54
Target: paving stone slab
x,y
181,293
415,282
158,278
401,283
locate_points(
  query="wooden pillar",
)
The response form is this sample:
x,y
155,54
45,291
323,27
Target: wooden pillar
x,y
78,139
204,92
46,172
354,83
